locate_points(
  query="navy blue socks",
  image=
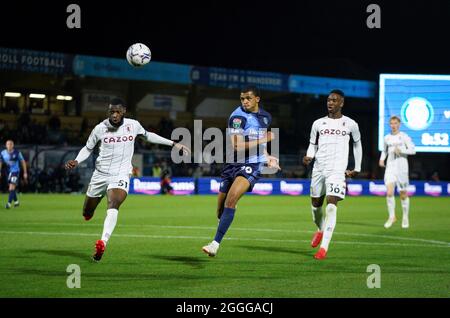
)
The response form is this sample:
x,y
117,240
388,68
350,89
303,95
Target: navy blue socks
x,y
225,221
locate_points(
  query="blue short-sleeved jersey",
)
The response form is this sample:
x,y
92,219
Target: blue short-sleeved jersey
x,y
12,160
252,126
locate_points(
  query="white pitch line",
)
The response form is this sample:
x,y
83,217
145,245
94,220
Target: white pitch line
x,y
447,244
208,238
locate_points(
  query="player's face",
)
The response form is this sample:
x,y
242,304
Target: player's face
x,y
116,113
249,101
395,125
334,103
9,145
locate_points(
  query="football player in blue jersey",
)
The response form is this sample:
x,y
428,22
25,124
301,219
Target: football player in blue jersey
x,y
13,159
247,129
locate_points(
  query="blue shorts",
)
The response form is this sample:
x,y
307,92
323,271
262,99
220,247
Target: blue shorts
x,y
250,171
13,178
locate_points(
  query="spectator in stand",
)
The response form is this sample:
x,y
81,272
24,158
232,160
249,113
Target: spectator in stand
x,y
156,170
135,173
166,188
435,177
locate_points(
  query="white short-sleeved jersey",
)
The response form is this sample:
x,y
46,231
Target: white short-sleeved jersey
x,y
332,138
397,163
116,146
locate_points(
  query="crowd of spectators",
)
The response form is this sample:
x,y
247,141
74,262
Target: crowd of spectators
x,y
30,131
52,179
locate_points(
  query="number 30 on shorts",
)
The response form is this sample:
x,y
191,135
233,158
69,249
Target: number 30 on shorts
x,y
334,188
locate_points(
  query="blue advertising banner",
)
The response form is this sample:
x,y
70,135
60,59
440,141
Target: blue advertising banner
x,y
302,187
423,104
35,61
233,78
263,187
84,65
152,186
323,85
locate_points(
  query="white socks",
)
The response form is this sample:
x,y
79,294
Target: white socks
x,y
317,216
405,207
110,224
330,223
391,206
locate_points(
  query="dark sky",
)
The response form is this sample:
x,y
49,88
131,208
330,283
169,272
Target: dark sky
x,y
304,37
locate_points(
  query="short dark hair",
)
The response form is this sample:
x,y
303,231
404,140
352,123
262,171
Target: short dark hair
x,y
117,101
251,88
337,91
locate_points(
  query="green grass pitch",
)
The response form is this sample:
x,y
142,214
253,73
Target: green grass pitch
x,y
155,250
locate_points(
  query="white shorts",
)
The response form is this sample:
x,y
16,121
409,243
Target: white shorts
x,y
330,184
400,179
100,183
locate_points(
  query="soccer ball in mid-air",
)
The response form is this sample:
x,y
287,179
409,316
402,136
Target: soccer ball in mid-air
x,y
138,55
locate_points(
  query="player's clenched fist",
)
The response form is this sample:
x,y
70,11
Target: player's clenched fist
x,y
351,173
270,136
307,160
71,164
186,150
273,162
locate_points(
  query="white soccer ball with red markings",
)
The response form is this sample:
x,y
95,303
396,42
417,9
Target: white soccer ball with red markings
x,y
138,55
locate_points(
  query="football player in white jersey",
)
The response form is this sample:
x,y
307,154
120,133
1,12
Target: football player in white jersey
x,y
113,167
397,147
329,145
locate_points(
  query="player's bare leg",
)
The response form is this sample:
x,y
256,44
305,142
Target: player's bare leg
x,y
328,226
316,209
405,208
90,204
390,201
237,189
115,199
220,203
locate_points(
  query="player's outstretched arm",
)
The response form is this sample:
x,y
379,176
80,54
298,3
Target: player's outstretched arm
x,y
82,156
240,144
157,139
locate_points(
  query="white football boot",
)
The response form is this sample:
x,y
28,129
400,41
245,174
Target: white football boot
x,y
389,222
211,249
405,223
